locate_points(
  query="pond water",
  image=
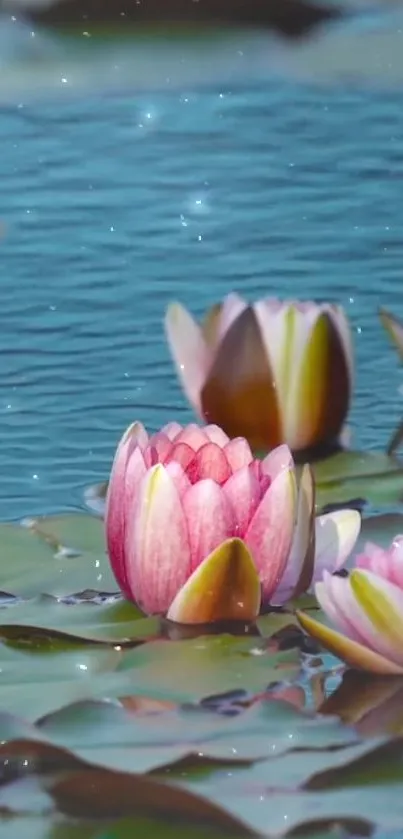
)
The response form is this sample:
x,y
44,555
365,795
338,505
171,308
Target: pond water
x,y
114,204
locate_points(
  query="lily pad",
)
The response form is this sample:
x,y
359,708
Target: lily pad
x,y
59,555
268,798
44,621
109,734
373,476
81,791
208,665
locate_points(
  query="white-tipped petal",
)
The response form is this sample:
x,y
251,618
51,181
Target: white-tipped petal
x,y
190,352
336,536
299,570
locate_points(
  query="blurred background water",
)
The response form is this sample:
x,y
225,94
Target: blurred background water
x,y
114,204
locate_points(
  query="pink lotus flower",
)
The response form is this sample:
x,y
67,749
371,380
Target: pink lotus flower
x,y
367,608
274,372
199,531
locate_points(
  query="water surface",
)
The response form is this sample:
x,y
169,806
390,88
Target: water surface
x,y
113,205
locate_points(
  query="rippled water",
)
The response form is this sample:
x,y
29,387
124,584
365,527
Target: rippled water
x,y
114,205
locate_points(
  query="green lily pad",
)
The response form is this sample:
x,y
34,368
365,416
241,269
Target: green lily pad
x,y
45,621
208,665
273,793
380,529
59,555
372,476
110,735
358,770
81,791
34,826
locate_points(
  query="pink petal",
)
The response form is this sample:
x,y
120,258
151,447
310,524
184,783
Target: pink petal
x,y
270,533
115,501
336,535
386,563
179,477
374,558
209,519
138,435
277,460
135,472
329,602
209,462
172,430
233,306
190,351
216,435
162,445
396,560
193,436
157,545
181,453
243,492
238,453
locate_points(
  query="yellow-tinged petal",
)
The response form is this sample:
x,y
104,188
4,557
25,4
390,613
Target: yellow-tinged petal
x,y
308,393
299,570
225,587
306,526
210,326
352,653
378,607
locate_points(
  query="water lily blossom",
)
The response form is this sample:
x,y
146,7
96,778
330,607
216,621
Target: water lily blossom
x,y
273,372
199,531
367,609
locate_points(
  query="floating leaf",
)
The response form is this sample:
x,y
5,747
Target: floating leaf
x,y
207,665
87,792
105,734
376,767
58,555
45,621
381,529
372,476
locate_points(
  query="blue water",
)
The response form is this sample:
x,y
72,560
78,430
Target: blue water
x,y
114,205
